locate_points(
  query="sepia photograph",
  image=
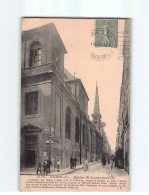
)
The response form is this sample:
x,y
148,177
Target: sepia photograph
x,y
74,96
75,104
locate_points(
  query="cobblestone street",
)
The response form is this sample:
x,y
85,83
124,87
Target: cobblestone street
x,y
92,168
98,168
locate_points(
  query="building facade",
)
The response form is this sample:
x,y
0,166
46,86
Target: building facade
x,y
122,140
54,114
103,142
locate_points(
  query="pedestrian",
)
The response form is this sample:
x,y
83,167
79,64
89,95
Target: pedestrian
x,y
45,167
111,164
85,165
38,168
71,163
103,161
113,158
74,163
58,165
108,160
48,165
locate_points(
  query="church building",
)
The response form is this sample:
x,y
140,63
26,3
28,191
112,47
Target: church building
x,y
54,105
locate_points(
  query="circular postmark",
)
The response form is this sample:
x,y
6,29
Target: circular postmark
x,y
101,57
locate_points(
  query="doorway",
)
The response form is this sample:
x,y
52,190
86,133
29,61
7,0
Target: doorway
x,y
30,151
30,156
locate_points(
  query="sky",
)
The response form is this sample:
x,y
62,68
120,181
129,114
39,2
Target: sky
x,y
77,38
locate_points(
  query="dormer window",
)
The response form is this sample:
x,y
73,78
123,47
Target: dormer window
x,y
35,54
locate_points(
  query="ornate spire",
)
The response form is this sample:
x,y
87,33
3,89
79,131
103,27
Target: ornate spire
x,y
96,103
96,112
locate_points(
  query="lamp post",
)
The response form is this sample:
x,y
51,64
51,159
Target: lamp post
x,y
49,136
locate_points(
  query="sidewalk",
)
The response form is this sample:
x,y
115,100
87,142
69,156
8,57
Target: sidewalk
x,y
65,171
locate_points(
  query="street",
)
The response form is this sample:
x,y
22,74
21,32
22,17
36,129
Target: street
x,y
98,168
94,168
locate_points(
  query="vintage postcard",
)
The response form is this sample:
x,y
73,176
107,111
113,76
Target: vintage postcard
x,y
75,104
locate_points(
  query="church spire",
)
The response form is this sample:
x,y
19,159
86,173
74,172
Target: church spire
x,y
96,112
96,103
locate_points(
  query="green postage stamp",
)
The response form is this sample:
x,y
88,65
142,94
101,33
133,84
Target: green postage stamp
x,y
106,33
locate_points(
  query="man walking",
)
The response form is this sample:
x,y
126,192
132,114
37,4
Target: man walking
x,y
58,165
45,167
103,161
111,164
75,162
71,162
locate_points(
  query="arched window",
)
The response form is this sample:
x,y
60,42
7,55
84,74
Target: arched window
x,y
68,123
35,54
83,134
77,132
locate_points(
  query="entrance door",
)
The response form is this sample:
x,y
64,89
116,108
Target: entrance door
x,y
30,158
30,150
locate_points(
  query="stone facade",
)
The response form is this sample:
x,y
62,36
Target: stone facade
x,y
122,141
54,105
102,141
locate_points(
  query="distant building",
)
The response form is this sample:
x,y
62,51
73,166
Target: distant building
x,y
54,114
122,141
103,148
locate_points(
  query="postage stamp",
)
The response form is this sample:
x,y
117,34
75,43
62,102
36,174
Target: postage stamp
x,y
106,33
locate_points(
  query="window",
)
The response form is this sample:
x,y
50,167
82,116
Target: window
x,y
83,136
31,103
35,54
68,122
77,133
